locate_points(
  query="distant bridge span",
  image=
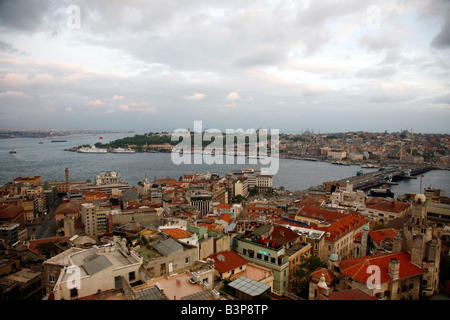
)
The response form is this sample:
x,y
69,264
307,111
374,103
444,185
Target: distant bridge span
x,y
383,176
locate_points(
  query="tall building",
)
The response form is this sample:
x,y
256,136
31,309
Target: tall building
x,y
417,238
409,271
95,219
201,199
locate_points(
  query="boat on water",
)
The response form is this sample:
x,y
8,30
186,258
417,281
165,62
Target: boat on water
x,y
40,142
59,141
341,163
369,165
12,151
123,150
92,149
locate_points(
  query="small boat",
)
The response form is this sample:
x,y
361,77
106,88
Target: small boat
x,y
12,151
59,140
40,142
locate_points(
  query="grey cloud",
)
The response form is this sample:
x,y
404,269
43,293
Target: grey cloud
x,y
23,15
442,39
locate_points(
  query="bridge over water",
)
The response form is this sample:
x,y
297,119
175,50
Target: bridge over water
x,y
385,175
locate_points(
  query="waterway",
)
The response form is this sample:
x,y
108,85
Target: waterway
x,y
49,160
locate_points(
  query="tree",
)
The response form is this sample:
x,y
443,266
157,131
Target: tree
x,y
254,191
379,226
239,198
302,275
48,249
269,192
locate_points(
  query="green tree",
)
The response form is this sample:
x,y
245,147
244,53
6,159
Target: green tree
x,y
302,275
239,198
48,249
254,191
379,226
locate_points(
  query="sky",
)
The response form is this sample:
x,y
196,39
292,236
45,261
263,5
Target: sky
x,y
159,65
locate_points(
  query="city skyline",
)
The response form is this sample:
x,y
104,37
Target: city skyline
x,y
291,65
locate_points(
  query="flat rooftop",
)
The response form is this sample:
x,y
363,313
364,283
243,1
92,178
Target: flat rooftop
x,y
173,289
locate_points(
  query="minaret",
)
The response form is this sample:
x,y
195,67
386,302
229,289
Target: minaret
x,y
67,174
322,287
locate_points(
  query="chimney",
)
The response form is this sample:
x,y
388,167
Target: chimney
x,y
394,268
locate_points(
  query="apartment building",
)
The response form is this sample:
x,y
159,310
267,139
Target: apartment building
x,y
96,219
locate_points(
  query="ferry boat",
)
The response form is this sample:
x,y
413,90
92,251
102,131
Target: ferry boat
x,y
341,163
369,165
122,150
12,151
92,149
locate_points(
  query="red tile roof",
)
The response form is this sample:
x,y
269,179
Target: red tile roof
x,y
223,206
343,226
329,276
31,245
282,235
356,268
320,213
210,226
177,233
383,234
67,208
351,294
231,260
382,204
225,217
9,211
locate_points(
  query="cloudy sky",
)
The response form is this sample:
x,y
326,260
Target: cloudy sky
x,y
328,66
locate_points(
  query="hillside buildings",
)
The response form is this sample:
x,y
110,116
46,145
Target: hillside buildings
x,y
206,237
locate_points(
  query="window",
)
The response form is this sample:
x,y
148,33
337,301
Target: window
x,y
51,278
186,260
132,276
73,292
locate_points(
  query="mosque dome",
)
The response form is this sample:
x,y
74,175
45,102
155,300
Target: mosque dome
x,y
333,257
420,198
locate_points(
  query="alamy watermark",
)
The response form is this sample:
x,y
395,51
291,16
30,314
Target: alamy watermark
x,y
235,143
373,21
74,19
374,280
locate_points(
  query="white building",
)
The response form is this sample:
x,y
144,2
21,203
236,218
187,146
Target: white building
x,y
336,154
347,197
108,177
91,271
